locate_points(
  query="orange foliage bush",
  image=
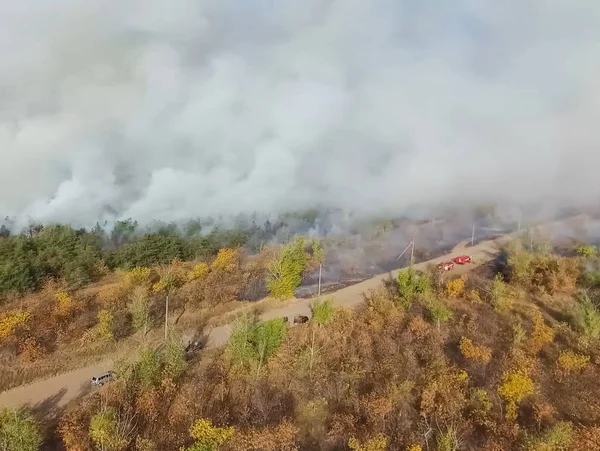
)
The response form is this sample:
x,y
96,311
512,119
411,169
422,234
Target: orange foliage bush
x,y
226,260
455,288
30,350
112,296
418,327
472,351
279,438
11,322
569,361
541,335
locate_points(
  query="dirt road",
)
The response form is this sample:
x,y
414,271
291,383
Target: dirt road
x,y
60,390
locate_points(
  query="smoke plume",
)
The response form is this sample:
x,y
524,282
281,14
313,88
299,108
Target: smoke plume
x,y
170,110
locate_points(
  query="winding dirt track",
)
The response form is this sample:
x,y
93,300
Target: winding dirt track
x,y
59,390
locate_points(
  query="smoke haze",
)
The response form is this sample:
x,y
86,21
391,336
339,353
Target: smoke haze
x,y
170,110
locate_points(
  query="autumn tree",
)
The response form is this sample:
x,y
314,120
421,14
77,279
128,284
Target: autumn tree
x,y
104,328
208,437
18,431
412,283
475,352
377,443
109,431
252,343
514,388
541,334
171,278
285,272
139,307
438,310
499,294
455,288
11,322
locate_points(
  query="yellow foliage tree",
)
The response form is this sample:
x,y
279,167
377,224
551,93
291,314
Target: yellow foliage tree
x,y
541,335
137,276
569,361
227,259
112,296
475,352
514,388
207,436
455,288
105,325
377,443
474,297
65,306
198,272
12,321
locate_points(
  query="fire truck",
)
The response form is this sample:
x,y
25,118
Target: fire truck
x,y
446,266
462,259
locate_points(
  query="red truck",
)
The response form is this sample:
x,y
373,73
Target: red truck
x,y
462,259
446,266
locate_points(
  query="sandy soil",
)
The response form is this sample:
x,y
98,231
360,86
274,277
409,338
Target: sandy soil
x,y
58,391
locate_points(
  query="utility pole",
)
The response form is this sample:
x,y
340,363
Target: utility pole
x,y
320,271
412,243
519,224
412,251
166,315
473,235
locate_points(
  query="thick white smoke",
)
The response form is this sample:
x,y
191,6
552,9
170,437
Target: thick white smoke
x,y
169,110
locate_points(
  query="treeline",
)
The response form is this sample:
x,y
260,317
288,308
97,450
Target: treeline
x,y
80,256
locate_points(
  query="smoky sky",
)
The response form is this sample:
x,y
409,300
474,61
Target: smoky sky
x,y
169,110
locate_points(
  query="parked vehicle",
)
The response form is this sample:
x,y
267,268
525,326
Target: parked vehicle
x,y
446,266
192,348
462,259
103,379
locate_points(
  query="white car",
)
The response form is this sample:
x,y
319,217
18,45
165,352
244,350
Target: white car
x,y
103,379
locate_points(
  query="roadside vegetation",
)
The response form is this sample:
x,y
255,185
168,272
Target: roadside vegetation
x,y
490,361
72,297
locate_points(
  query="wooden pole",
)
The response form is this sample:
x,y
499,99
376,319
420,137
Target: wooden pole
x,y
320,272
166,315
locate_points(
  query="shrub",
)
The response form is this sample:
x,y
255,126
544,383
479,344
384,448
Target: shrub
x,y
198,272
104,328
65,306
438,310
411,284
474,296
285,272
226,260
499,295
557,438
322,311
587,251
11,322
471,351
108,432
207,436
448,441
138,276
569,361
541,335
377,443
31,350
455,288
514,388
418,327
18,431
588,317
